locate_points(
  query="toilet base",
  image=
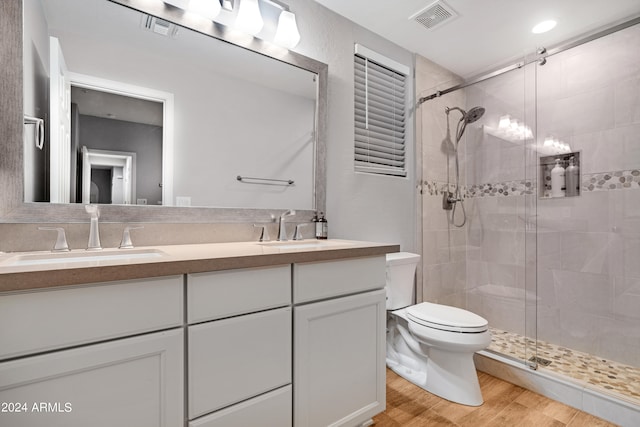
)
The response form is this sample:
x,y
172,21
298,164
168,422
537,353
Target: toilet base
x,y
450,375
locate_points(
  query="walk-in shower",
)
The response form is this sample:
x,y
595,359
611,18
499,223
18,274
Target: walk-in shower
x,y
557,278
451,199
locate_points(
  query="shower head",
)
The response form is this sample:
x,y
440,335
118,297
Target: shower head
x,y
473,114
470,116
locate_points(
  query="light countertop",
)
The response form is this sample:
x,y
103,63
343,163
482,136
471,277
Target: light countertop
x,y
20,271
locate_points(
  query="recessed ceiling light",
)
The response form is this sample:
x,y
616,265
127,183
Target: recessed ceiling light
x,y
543,27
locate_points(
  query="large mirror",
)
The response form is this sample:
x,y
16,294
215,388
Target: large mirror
x,y
166,114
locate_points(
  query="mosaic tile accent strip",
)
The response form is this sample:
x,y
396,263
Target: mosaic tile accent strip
x,y
604,181
618,180
436,188
608,376
508,188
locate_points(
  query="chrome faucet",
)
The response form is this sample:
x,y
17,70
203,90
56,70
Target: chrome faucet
x,y
264,233
126,242
61,241
282,231
298,234
94,232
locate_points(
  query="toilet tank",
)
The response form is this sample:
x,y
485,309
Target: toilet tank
x,y
401,271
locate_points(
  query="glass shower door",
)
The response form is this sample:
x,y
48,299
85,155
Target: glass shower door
x,y
501,232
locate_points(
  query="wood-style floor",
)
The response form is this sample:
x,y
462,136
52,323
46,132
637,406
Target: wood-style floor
x,y
505,405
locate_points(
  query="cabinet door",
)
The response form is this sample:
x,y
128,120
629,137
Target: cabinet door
x,y
235,359
130,382
339,360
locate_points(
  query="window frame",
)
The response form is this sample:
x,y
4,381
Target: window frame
x,y
380,91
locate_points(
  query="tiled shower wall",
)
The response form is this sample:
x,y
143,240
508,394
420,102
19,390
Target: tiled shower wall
x,y
443,245
575,262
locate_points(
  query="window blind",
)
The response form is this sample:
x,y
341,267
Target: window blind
x,y
379,118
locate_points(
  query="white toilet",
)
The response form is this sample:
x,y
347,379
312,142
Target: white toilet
x,y
431,345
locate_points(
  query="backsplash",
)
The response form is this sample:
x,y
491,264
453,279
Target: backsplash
x,y
27,237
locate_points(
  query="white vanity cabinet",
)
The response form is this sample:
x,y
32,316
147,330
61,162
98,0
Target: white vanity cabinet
x,y
286,339
339,342
109,354
239,347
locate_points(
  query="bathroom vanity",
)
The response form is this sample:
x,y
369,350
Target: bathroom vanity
x,y
230,334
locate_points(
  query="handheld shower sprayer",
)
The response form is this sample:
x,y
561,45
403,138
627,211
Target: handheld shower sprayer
x,y
449,199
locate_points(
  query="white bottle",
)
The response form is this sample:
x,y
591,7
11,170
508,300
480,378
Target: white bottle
x,y
557,180
572,178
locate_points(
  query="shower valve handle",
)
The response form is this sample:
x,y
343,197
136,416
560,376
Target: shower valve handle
x,y
448,200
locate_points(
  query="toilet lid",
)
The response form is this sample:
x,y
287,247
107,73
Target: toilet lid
x,y
446,318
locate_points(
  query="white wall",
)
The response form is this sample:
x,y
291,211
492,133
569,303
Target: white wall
x,y
359,206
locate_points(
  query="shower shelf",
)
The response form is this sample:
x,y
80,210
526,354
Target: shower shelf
x,y
546,164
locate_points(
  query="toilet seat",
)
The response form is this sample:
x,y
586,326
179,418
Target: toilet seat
x,y
446,318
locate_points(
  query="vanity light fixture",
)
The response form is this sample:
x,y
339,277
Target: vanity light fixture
x,y
249,19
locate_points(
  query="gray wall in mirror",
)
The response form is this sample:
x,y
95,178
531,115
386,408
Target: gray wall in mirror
x,y
14,210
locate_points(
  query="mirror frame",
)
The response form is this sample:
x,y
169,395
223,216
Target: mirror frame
x,y
13,209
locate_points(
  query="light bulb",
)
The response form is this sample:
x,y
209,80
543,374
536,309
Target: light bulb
x,y
287,34
206,8
249,19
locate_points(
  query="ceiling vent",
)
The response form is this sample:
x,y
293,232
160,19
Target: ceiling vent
x,y
434,15
159,26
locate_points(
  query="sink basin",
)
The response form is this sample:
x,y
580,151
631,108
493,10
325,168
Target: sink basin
x,y
82,256
304,244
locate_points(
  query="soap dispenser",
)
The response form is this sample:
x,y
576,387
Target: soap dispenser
x,y
322,227
558,180
572,178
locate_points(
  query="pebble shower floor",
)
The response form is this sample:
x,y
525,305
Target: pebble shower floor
x,y
610,377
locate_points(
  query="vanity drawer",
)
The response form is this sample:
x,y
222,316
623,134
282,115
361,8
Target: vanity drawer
x,y
238,358
327,279
220,294
269,409
43,320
